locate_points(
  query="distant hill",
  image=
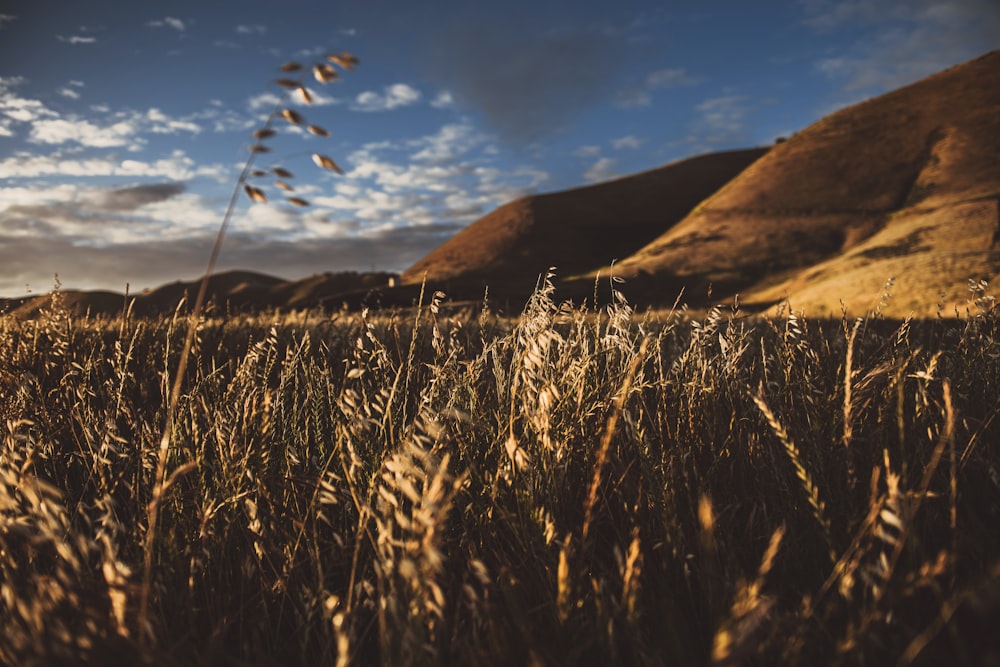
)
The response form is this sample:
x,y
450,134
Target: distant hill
x,y
234,290
575,230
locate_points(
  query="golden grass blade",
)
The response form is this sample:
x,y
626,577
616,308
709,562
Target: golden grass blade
x,y
326,163
257,173
284,186
290,84
298,201
292,116
264,133
291,67
304,93
318,131
344,59
259,148
255,194
282,172
325,73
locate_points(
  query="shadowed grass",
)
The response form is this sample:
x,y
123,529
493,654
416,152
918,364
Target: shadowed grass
x,y
569,487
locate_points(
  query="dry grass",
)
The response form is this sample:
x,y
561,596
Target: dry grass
x,y
568,487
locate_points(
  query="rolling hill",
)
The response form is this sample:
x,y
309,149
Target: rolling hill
x,y
234,290
575,230
902,186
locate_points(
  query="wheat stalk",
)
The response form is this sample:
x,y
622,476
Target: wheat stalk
x,y
805,479
160,481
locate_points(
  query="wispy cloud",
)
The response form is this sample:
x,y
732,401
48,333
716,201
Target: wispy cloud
x,y
641,94
264,101
448,144
602,170
255,29
630,142
178,166
168,22
903,40
392,97
103,129
76,39
5,19
68,92
443,100
161,123
83,132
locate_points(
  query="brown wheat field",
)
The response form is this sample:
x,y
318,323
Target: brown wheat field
x,y
573,486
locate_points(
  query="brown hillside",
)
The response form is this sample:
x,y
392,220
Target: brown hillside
x,y
576,230
902,185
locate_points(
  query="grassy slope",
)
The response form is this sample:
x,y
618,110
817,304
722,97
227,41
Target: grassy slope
x,y
821,216
575,230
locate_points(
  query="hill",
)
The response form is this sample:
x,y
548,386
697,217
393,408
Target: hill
x,y
235,290
575,230
903,186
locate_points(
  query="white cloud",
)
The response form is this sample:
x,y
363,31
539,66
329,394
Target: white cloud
x,y
450,142
251,29
5,19
602,170
21,109
392,97
119,129
83,132
76,39
443,100
177,167
316,98
168,22
161,123
264,102
587,151
723,118
629,141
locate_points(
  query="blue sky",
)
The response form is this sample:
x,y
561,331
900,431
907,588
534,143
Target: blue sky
x,y
124,124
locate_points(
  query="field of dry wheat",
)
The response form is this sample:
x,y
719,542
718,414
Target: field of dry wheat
x,y
574,486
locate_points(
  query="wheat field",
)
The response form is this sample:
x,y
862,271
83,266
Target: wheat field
x,y
430,486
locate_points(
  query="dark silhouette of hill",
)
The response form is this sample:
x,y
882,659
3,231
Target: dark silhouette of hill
x,y
234,290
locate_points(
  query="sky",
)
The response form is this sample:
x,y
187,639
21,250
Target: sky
x,y
124,124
